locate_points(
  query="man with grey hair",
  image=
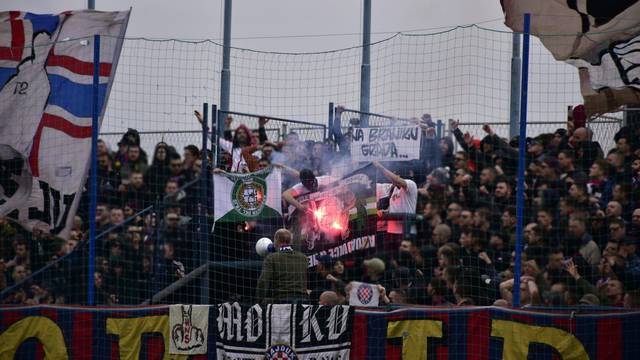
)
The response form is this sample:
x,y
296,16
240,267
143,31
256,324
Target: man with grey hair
x,y
284,273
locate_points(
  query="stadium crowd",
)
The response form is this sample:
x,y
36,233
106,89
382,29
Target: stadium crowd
x,y
581,221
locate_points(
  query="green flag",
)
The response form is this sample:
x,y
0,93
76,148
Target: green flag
x,y
251,196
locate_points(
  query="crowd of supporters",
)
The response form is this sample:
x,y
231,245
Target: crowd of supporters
x,y
581,214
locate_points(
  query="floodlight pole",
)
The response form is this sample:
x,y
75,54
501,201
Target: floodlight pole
x,y
225,75
365,69
524,92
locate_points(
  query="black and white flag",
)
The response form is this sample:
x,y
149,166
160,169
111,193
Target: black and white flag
x,y
600,38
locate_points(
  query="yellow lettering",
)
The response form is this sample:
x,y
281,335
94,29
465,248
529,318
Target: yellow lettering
x,y
129,332
414,334
517,338
41,328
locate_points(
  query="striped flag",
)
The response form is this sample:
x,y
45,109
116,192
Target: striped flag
x,y
46,108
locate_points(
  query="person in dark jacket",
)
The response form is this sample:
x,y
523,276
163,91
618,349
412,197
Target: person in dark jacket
x,y
157,174
284,273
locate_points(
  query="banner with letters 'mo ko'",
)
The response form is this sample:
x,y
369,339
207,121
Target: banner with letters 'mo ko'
x,y
311,332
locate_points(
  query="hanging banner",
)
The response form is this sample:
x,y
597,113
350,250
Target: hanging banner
x,y
46,110
250,196
341,218
189,327
386,143
283,331
322,332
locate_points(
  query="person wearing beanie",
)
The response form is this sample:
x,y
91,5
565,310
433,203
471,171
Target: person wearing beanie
x,y
374,270
439,176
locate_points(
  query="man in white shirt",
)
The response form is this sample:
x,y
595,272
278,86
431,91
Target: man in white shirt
x,y
402,197
308,183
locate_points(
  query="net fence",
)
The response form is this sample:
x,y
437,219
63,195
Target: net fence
x,y
428,218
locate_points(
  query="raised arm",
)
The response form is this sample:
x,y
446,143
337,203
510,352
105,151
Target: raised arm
x,y
453,125
262,132
395,179
337,129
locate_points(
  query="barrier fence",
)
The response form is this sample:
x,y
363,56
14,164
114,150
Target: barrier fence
x,y
410,210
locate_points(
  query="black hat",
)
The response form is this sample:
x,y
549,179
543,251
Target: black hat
x,y
194,149
131,137
561,132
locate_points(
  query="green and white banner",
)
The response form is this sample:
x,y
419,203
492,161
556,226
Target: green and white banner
x,y
241,197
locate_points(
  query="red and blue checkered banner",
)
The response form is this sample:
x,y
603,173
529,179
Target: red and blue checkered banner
x,y
412,333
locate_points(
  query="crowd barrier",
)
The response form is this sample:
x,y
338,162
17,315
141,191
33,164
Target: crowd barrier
x,y
55,332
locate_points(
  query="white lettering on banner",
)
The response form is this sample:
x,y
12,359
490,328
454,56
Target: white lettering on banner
x,y
230,321
384,144
309,322
361,243
337,322
253,323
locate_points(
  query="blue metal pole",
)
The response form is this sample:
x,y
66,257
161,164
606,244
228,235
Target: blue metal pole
x,y
202,208
521,158
516,68
91,4
225,75
365,70
93,191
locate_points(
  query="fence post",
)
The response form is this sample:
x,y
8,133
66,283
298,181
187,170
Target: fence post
x,y
202,207
214,127
225,74
365,74
330,122
514,106
219,134
93,192
521,159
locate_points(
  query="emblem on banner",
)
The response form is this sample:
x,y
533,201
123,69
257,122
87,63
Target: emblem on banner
x,y
248,196
365,293
281,352
189,329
